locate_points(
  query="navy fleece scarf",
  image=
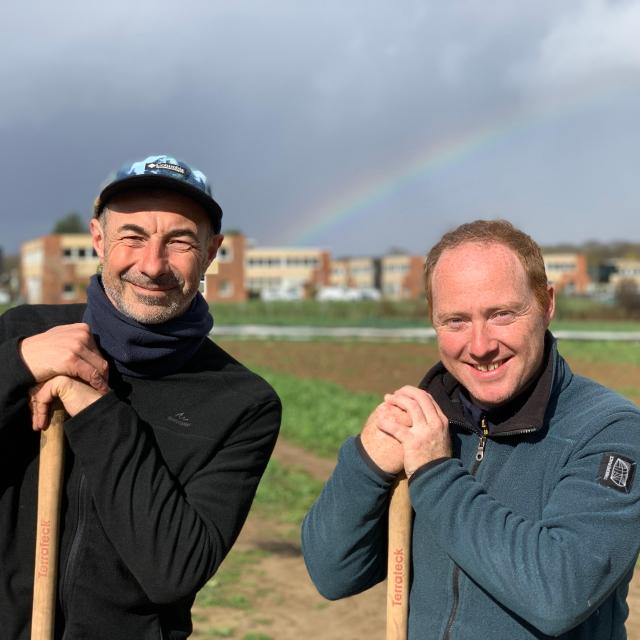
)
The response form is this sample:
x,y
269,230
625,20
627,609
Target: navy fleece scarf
x,y
145,350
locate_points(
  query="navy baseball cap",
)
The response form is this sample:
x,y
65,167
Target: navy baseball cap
x,y
165,172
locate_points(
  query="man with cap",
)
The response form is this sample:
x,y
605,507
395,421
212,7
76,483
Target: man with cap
x,y
522,475
167,435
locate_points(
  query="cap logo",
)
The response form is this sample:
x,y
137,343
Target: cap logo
x,y
165,165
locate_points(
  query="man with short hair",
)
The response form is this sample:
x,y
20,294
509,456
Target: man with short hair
x,y
167,434
521,474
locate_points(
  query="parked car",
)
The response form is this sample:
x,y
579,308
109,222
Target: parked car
x,y
347,294
289,292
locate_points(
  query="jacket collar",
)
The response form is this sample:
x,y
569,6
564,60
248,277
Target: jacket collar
x,y
525,413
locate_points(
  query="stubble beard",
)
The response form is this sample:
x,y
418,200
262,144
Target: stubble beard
x,y
147,309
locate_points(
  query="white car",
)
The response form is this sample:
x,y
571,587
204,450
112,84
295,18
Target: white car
x,y
282,293
346,294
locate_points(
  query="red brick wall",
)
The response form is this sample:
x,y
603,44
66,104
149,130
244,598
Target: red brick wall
x,y
230,274
413,284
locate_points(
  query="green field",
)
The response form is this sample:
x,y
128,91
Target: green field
x,y
575,314
570,314
319,415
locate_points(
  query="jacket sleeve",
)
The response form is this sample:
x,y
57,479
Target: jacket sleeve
x,y
15,377
555,571
172,536
15,382
344,535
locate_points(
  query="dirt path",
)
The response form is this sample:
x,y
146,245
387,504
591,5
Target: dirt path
x,y
287,605
296,457
284,603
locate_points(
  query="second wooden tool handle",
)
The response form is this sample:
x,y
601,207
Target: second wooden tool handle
x,y
50,475
399,561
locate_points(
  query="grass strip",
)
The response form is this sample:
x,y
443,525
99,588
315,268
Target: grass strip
x,y
570,314
285,494
366,313
319,415
222,590
601,351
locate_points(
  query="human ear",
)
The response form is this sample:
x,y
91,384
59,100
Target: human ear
x,y
213,244
97,237
551,307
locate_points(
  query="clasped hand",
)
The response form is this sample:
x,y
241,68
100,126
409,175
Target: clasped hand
x,y
66,364
406,431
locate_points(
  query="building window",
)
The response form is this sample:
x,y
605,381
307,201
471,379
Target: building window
x,y
396,268
34,258
34,290
561,266
68,291
78,253
225,289
225,254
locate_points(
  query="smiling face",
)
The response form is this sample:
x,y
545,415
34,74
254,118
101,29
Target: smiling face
x,y
489,324
154,247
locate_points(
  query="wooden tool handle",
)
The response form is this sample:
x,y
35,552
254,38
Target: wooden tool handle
x,y
50,478
399,561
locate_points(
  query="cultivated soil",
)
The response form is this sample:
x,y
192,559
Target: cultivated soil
x,y
380,367
284,605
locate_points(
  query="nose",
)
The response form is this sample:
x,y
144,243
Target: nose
x,y
153,260
482,345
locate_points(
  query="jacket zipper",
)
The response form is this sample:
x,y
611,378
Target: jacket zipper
x,y
65,590
482,443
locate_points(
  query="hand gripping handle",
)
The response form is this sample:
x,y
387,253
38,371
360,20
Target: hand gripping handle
x,y
399,560
50,476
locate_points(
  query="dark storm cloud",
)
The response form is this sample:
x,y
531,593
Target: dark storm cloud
x,y
285,104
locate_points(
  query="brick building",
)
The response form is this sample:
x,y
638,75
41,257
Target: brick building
x,y
402,277
55,269
224,280
273,269
568,272
625,269
358,273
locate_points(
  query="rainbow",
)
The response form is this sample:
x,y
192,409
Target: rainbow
x,y
361,194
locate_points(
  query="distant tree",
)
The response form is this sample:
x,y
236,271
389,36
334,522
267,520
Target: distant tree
x,y
71,223
628,297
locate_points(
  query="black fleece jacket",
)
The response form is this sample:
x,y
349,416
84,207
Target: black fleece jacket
x,y
159,478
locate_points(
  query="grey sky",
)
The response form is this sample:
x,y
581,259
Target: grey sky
x,y
355,126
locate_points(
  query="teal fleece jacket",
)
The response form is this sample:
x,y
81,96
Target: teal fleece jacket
x,y
537,540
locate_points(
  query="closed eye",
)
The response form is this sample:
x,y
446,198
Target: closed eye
x,y
133,240
181,244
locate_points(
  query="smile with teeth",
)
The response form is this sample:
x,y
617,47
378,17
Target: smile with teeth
x,y
492,366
